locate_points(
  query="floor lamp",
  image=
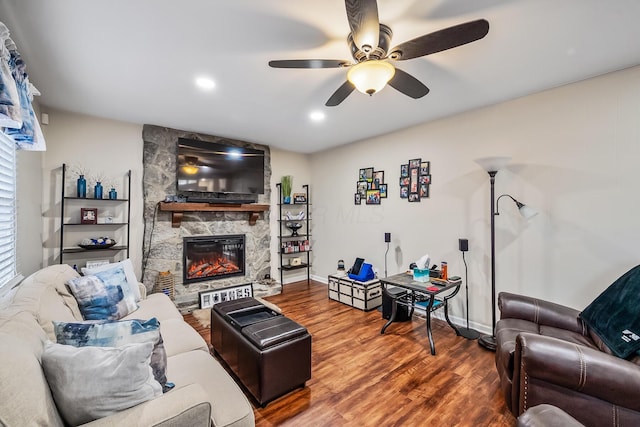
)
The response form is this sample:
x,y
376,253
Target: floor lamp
x,y
492,165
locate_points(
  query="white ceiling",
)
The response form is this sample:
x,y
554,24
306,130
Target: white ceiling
x,y
136,61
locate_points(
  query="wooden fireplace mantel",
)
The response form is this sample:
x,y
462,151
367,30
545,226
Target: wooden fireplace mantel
x,y
177,209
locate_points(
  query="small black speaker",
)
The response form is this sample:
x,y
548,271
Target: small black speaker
x,y
463,245
387,237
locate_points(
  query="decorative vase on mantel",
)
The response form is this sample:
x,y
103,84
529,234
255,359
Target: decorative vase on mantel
x,y
113,194
81,187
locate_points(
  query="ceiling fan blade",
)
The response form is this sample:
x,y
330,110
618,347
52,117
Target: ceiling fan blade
x,y
309,63
340,94
438,41
364,22
407,84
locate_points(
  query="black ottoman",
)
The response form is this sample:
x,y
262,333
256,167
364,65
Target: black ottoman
x,y
269,353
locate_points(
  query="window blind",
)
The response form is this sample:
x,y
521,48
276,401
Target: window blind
x,y
7,209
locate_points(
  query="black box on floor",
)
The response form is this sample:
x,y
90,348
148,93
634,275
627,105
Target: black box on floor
x,y
402,315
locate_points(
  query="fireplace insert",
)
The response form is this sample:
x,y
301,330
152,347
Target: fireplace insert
x,y
212,257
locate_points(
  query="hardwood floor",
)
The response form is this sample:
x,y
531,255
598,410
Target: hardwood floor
x,y
362,378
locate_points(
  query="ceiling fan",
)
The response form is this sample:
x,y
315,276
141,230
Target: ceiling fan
x,y
369,44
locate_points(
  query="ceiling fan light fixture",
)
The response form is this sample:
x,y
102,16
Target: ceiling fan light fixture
x,y
370,76
190,169
191,165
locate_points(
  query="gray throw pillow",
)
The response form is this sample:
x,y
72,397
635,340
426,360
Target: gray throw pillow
x,y
88,383
116,333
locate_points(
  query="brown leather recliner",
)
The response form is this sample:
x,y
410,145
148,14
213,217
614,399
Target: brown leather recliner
x,y
546,354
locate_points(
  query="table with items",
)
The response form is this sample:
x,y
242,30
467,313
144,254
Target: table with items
x,y
429,296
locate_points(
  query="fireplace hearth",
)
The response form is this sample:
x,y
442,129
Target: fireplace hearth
x,y
213,257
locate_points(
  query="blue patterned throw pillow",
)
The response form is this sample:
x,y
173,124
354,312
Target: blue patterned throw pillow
x,y
104,295
116,334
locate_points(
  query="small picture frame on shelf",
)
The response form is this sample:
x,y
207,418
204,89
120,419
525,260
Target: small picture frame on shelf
x,y
88,215
299,198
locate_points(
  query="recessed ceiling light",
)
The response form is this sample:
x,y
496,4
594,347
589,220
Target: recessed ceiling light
x,y
316,116
234,154
205,83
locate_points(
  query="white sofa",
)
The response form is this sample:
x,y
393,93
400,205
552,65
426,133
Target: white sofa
x,y
204,395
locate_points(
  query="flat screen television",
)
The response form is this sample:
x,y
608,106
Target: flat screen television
x,y
208,167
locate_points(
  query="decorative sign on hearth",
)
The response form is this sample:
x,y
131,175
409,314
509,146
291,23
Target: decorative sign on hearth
x,y
415,179
370,187
212,297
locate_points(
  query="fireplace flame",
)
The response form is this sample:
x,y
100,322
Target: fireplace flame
x,y
211,267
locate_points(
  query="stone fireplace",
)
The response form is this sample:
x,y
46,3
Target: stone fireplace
x,y
163,244
212,257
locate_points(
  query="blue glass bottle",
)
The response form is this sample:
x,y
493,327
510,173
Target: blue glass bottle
x,y
97,191
113,194
82,187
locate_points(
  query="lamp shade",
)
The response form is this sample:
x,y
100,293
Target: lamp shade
x,y
527,212
370,76
493,164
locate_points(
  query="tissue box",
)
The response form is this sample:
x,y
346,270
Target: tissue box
x,y
421,275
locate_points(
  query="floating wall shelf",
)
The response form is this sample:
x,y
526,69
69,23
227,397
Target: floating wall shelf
x,y
177,210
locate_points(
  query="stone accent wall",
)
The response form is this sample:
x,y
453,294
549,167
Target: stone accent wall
x,y
163,244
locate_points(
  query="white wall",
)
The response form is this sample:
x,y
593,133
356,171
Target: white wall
x,y
29,208
29,211
102,147
574,157
298,166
